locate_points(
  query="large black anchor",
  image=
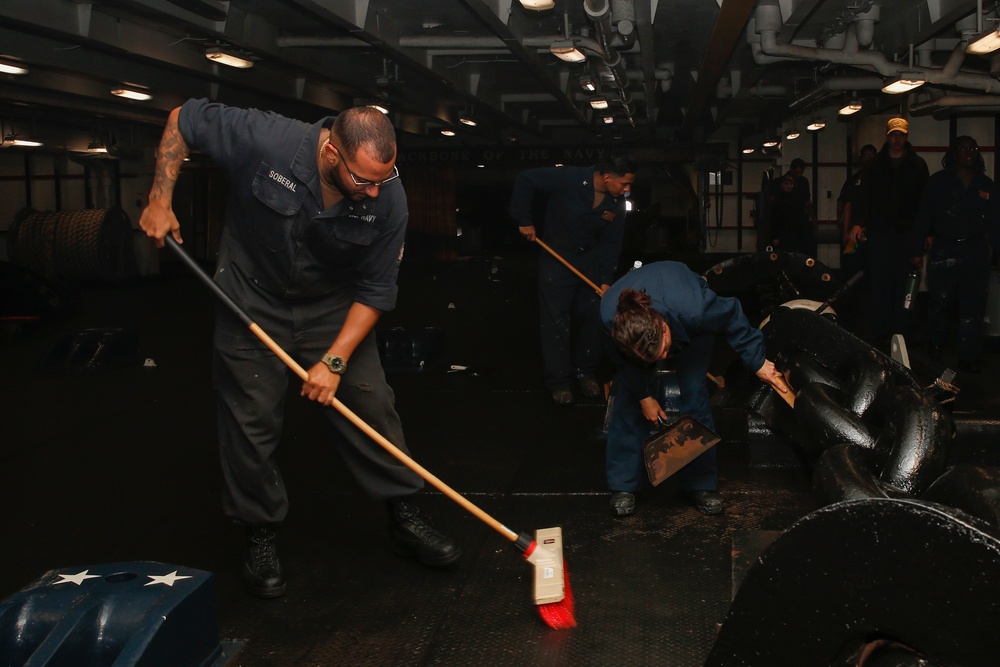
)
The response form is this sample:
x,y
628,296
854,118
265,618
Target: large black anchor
x,y
901,565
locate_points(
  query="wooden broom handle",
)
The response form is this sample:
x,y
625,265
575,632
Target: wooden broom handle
x,y
569,266
340,407
427,475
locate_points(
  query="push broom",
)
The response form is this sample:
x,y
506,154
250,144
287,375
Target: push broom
x,y
552,593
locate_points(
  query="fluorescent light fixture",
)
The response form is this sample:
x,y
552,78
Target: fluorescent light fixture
x,y
599,103
96,147
748,150
792,134
448,133
11,67
12,140
227,57
381,107
770,143
851,107
468,120
588,84
988,43
608,120
904,84
538,5
816,125
132,93
564,49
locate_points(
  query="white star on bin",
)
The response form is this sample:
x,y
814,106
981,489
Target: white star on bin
x,y
166,579
76,578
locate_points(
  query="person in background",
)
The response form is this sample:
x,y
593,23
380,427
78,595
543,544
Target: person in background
x,y
958,224
311,249
853,255
662,309
585,224
793,228
882,212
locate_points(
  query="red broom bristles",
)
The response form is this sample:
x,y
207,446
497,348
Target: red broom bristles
x,y
559,615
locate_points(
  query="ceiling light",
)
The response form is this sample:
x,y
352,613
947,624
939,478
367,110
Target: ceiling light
x,y
13,140
227,57
380,106
748,150
770,143
816,125
468,120
608,120
792,134
564,49
538,5
904,84
588,84
132,93
988,43
851,107
12,67
96,147
448,133
599,103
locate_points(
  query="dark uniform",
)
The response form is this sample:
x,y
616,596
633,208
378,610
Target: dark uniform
x,y
295,269
588,237
964,224
695,315
854,261
886,207
790,223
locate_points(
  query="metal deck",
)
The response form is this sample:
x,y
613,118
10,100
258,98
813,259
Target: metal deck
x,y
121,465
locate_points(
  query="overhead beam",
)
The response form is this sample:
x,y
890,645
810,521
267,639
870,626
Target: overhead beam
x,y
727,32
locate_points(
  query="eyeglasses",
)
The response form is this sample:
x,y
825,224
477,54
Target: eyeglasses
x,y
361,182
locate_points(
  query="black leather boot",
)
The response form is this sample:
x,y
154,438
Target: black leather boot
x,y
262,575
412,536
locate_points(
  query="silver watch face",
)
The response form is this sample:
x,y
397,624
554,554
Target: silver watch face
x,y
335,364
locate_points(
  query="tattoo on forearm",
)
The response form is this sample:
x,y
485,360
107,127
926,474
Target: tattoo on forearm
x,y
169,158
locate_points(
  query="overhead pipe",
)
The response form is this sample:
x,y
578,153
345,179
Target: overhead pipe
x,y
599,12
955,101
767,24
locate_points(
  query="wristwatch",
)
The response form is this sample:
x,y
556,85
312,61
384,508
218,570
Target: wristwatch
x,y
335,364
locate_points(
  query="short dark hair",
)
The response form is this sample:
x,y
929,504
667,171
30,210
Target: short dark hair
x,y
368,128
798,162
618,164
868,147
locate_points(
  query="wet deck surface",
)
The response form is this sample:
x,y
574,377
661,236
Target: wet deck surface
x,y
121,465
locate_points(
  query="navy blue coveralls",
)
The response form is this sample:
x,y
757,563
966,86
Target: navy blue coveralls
x,y
295,269
588,237
695,315
964,224
886,207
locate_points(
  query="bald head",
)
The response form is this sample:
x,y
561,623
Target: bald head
x,y
366,128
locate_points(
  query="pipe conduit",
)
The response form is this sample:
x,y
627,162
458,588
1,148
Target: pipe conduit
x,y
767,23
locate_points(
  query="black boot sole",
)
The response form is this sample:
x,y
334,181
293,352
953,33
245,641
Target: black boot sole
x,y
265,592
410,552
